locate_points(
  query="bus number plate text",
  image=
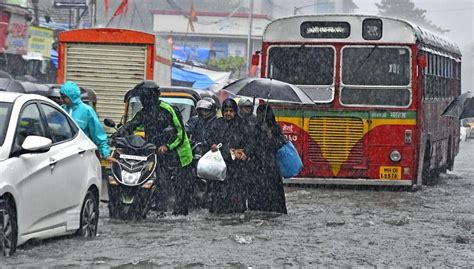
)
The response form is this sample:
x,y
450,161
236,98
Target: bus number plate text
x,y
391,172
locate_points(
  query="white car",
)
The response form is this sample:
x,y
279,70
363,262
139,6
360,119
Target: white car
x,y
50,173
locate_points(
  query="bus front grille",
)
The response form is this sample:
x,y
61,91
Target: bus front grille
x,y
332,139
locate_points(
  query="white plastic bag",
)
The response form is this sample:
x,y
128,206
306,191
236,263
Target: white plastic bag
x,y
212,166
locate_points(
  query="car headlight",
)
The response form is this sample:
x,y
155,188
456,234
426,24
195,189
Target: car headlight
x,y
395,156
130,178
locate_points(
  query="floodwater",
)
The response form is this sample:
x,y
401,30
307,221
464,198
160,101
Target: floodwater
x,y
324,227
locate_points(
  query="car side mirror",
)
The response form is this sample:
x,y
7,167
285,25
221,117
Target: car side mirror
x,y
36,144
109,123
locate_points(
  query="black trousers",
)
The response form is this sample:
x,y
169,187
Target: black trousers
x,y
183,190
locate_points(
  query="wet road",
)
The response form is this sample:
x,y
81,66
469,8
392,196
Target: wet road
x,y
325,227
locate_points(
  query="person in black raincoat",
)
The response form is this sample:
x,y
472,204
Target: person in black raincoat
x,y
228,196
267,193
246,107
163,128
199,128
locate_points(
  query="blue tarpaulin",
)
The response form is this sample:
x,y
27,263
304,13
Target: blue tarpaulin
x,y
54,58
199,80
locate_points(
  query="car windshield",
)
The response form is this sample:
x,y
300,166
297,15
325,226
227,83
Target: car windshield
x,y
184,105
309,67
5,109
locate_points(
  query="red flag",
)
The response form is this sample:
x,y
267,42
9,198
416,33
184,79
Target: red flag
x,y
123,7
192,13
192,16
106,8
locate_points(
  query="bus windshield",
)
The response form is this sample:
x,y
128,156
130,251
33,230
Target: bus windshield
x,y
381,66
376,76
304,66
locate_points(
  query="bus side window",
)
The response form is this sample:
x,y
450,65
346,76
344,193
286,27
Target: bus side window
x,y
438,76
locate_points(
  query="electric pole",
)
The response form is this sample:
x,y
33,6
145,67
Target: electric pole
x,y
249,37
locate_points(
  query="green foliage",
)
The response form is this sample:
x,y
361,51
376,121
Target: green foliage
x,y
406,9
232,63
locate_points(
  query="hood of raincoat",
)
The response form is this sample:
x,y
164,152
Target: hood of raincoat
x,y
245,102
73,92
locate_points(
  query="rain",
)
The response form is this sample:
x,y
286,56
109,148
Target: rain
x,y
361,182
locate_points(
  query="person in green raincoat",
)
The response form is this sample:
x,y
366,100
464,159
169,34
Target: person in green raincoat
x,y
85,117
163,127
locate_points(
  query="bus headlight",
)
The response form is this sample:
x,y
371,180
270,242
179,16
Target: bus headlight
x,y
395,156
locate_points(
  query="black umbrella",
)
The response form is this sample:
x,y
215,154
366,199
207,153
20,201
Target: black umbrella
x,y
462,107
268,89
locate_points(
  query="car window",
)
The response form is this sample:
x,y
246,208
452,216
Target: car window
x,y
58,124
5,109
29,124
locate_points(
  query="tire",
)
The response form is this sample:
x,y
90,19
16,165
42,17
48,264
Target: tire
x,y
89,216
9,228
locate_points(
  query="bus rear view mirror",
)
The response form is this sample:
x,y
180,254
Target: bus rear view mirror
x,y
422,61
255,59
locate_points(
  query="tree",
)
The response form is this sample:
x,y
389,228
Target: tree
x,y
232,63
406,9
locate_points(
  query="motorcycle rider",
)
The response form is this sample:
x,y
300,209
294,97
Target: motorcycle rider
x,y
85,116
199,129
157,118
200,125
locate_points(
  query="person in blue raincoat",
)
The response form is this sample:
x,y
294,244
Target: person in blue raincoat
x,y
85,116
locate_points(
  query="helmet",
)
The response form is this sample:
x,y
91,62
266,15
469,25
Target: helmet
x,y
147,89
213,102
204,104
148,84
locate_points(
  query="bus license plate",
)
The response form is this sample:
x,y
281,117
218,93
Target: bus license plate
x,y
390,172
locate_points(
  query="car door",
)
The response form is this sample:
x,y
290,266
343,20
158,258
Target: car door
x,y
72,154
36,184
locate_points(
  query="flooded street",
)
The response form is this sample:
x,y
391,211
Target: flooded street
x,y
325,227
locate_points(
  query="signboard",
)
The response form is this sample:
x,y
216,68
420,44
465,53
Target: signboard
x,y
17,39
40,40
70,3
22,3
4,18
372,29
325,29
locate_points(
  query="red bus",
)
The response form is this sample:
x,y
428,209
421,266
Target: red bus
x,y
378,85
109,61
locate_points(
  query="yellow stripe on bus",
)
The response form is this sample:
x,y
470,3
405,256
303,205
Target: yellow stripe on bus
x,y
350,143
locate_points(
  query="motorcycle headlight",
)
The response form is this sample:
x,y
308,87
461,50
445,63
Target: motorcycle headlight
x,y
130,178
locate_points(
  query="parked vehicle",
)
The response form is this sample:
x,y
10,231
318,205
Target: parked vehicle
x,y
132,188
468,126
109,60
51,176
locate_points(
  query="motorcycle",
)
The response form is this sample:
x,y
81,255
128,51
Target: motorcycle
x,y
132,183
